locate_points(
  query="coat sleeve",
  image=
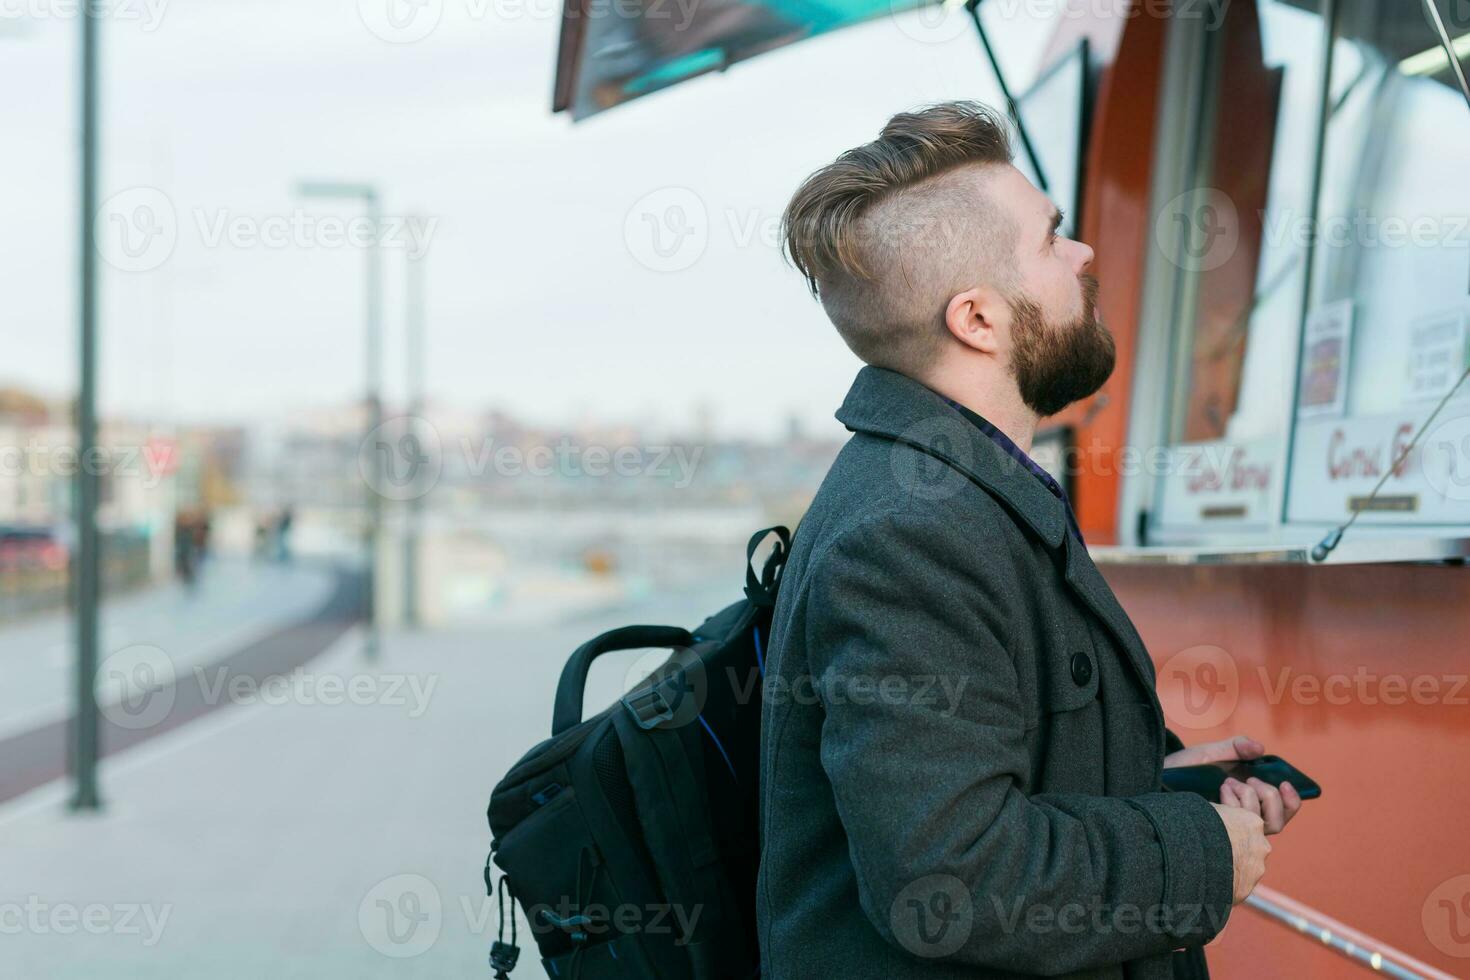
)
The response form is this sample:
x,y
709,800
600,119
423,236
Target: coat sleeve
x,y
927,787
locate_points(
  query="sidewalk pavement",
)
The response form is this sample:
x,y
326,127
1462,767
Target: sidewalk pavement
x,y
332,826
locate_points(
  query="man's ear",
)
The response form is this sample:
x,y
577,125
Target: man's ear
x,y
976,317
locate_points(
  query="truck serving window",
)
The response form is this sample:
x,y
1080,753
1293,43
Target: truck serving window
x,y
1241,272
1385,335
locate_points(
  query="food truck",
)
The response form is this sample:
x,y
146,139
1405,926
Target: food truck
x,y
1278,195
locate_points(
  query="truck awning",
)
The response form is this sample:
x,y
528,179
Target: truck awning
x,y
613,51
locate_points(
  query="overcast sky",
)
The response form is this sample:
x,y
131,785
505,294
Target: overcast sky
x,y
547,295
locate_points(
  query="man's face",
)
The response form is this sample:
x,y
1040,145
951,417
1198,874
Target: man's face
x,y
1059,353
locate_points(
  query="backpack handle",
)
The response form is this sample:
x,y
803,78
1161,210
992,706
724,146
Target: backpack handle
x,y
573,685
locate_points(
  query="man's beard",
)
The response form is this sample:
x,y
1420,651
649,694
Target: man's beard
x,y
1058,364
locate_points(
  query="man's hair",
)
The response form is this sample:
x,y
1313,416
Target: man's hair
x,y
888,232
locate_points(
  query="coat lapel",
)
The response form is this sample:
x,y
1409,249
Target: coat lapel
x,y
888,404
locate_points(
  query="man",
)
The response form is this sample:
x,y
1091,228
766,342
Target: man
x,y
962,746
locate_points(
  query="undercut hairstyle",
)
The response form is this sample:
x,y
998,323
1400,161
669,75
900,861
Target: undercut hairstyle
x,y
887,233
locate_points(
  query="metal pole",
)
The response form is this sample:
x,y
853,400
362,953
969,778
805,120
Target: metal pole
x,y
973,6
375,420
85,741
373,381
414,290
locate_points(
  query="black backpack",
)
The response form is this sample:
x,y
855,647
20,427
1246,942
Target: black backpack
x,y
631,839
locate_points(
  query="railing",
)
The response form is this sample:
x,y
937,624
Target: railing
x,y
34,576
1344,940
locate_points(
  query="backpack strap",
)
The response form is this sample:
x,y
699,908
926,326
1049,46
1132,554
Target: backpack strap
x,y
762,591
665,770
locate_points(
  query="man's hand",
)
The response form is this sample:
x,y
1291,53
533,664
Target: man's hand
x,y
1248,847
1275,806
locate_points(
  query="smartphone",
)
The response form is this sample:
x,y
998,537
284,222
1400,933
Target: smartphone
x,y
1206,780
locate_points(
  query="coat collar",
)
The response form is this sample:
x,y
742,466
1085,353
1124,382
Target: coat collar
x,y
888,404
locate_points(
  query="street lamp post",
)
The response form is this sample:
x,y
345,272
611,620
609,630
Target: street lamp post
x,y
415,322
86,567
368,195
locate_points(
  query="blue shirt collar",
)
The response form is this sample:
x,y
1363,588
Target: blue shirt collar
x,y
1020,455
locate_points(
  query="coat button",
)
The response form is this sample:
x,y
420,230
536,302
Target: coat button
x,y
1081,669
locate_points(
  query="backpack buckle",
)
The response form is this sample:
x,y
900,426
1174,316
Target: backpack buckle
x,y
649,707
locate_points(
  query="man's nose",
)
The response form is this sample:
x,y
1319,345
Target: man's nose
x,y
1084,257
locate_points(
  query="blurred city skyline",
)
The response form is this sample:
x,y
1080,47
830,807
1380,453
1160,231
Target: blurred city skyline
x,y
547,298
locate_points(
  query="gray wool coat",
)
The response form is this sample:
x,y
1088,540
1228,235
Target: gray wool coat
x,y
962,746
